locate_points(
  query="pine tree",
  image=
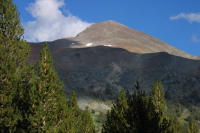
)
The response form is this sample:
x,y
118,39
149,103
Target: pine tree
x,y
139,115
74,114
47,110
157,97
24,99
192,127
13,54
72,103
162,123
142,114
174,126
78,121
115,118
87,125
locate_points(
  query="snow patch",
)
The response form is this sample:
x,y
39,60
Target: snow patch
x,y
89,44
109,45
72,43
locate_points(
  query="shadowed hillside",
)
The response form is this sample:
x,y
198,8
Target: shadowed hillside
x,y
109,56
102,71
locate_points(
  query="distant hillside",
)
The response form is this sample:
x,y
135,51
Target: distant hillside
x,y
108,56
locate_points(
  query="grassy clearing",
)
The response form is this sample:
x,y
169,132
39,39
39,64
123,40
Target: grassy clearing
x,y
183,117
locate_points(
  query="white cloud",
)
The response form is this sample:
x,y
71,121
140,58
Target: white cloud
x,y
50,23
191,17
194,38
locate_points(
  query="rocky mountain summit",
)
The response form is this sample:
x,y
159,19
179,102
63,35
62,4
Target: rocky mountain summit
x,y
108,56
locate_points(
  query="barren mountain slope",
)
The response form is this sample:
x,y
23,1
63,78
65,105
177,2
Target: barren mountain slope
x,y
113,34
109,56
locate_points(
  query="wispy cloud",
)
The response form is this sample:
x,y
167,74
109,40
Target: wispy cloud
x,y
50,22
191,17
194,38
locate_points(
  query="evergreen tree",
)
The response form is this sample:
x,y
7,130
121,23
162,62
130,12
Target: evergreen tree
x,y
192,127
72,103
13,54
142,114
162,123
116,121
174,126
47,110
139,115
24,100
74,114
78,121
157,97
29,103
87,125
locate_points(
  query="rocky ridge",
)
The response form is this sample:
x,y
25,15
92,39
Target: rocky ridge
x,y
108,56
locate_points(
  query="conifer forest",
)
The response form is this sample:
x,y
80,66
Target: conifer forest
x,y
33,98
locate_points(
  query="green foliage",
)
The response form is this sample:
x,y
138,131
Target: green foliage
x,y
157,97
46,99
195,113
192,127
78,121
140,113
74,114
24,100
184,114
13,71
190,118
175,126
116,121
87,125
72,103
146,114
174,109
32,101
102,117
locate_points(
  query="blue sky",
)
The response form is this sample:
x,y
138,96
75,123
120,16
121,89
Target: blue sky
x,y
176,22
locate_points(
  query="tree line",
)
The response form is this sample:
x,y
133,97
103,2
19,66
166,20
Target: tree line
x,y
138,112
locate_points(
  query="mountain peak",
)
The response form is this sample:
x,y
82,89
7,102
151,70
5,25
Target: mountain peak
x,y
102,28
112,33
111,23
